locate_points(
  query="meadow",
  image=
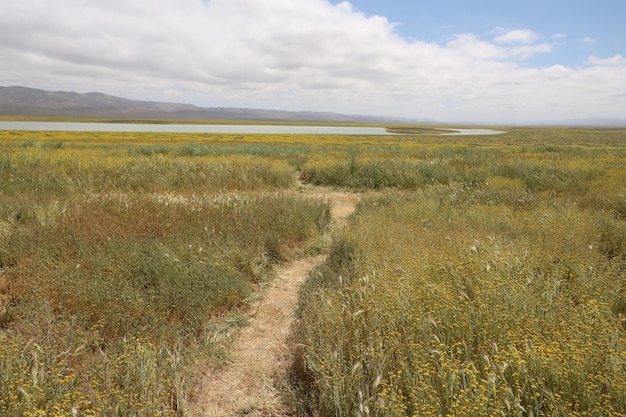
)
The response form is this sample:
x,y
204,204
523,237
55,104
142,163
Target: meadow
x,y
126,265
480,276
481,280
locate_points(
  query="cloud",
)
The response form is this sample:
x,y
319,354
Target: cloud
x,y
471,45
523,36
304,55
588,40
615,60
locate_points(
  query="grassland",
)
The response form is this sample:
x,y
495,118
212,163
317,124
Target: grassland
x,y
480,276
481,281
123,263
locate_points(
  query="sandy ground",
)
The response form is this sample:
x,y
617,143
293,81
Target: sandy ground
x,y
247,385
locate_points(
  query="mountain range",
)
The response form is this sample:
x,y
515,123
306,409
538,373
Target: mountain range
x,y
20,102
31,102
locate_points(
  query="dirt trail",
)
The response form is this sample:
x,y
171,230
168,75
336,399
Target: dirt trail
x,y
247,386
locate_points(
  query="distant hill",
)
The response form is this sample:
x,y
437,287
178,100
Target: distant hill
x,y
591,122
30,102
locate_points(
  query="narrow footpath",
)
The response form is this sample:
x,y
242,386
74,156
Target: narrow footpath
x,y
261,356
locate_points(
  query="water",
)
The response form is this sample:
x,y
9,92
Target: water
x,y
202,128
184,128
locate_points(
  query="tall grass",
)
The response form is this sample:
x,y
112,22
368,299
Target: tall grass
x,y
73,171
416,168
486,277
119,270
502,298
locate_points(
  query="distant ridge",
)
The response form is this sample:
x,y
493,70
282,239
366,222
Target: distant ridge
x,y
591,122
30,102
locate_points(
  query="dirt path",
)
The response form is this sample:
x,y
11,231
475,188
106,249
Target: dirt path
x,y
247,386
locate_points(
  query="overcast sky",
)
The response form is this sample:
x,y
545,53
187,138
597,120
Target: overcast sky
x,y
507,61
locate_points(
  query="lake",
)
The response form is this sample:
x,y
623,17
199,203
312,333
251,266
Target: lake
x,y
219,128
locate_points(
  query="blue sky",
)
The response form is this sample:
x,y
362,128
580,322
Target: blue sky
x,y
488,61
577,28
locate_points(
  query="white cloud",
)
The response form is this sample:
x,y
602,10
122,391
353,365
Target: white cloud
x,y
471,45
615,60
523,36
304,55
588,40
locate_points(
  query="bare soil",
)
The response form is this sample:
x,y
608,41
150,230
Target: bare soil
x,y
248,385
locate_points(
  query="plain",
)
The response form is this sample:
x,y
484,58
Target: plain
x,y
480,276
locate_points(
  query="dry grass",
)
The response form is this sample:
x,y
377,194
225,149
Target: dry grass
x,y
247,384
499,296
120,269
484,276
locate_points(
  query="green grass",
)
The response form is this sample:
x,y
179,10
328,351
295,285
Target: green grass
x,y
480,276
119,269
497,288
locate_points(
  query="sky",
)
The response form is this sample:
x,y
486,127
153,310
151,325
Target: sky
x,y
481,61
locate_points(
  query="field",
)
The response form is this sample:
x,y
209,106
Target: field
x,y
479,276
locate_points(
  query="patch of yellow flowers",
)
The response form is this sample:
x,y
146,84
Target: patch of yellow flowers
x,y
35,381
470,310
